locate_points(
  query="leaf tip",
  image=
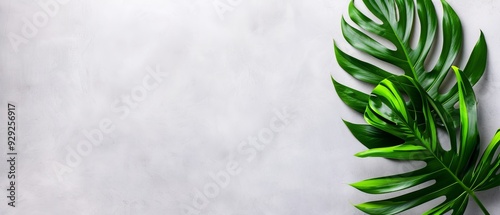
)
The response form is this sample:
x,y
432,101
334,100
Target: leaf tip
x,y
360,155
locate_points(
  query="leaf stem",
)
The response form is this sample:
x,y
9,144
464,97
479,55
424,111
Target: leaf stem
x,y
485,211
466,189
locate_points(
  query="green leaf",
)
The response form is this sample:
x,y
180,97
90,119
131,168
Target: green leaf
x,y
397,20
372,137
399,152
454,172
405,113
399,182
474,70
469,139
351,97
486,171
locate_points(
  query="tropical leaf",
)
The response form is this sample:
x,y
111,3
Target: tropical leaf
x,y
372,137
394,23
405,113
400,106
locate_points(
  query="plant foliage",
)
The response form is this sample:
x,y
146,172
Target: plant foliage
x,y
405,113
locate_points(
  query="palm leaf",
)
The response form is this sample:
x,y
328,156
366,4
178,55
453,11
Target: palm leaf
x,y
454,172
395,24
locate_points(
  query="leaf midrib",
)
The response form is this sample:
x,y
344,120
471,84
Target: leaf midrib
x,y
402,46
460,182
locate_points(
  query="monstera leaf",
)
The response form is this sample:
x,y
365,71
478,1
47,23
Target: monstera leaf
x,y
405,113
397,27
394,22
400,106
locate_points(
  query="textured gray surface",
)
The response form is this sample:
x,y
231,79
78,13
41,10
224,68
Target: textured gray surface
x,y
244,95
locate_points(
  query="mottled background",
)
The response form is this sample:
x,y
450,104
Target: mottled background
x,y
220,80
